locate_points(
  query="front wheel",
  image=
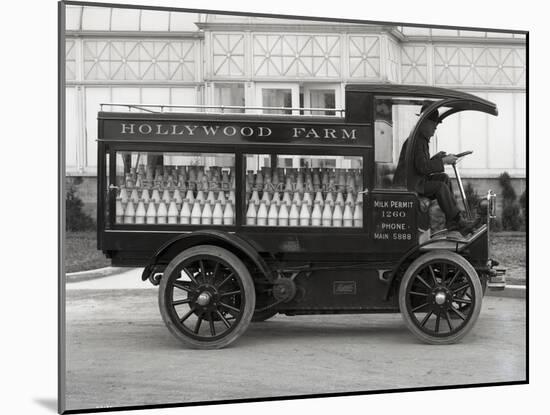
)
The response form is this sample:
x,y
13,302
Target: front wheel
x,y
440,297
206,297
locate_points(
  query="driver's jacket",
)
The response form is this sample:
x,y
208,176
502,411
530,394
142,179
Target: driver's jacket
x,y
421,167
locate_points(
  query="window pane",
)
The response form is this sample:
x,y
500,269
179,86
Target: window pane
x,y
304,191
175,188
277,98
229,95
323,98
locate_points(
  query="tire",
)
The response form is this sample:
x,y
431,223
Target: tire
x,y
265,315
206,284
433,291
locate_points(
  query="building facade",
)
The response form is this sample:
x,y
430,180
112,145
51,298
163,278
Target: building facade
x,y
159,57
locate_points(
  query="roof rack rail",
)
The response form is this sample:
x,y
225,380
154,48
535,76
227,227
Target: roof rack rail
x,y
158,108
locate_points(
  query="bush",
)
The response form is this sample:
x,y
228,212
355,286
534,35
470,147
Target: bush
x,y
511,218
76,219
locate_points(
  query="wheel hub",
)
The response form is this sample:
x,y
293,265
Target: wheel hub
x,y
204,298
440,298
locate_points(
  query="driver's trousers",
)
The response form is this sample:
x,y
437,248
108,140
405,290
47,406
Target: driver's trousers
x,y
438,186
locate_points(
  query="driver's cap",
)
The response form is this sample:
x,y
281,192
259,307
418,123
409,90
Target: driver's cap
x,y
433,116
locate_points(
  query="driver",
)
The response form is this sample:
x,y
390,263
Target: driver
x,y
428,176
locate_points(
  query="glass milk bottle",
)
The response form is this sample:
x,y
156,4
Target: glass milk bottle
x,y
140,212
316,215
123,196
337,216
217,215
358,215
206,217
304,214
134,197
255,198
129,212
145,196
185,214
251,213
156,196
189,196
286,198
173,212
262,214
283,214
196,213
348,216
294,215
272,216
162,213
327,215
228,214
119,211
151,215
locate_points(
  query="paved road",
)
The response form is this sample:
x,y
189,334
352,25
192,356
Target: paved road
x,y
120,353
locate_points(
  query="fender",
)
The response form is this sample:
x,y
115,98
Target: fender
x,y
214,237
454,245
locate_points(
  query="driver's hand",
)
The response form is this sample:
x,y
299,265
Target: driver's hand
x,y
439,155
449,159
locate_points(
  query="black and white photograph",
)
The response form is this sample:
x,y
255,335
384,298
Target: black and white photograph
x,y
264,206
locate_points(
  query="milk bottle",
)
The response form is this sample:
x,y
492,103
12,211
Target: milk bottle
x,y
228,214
316,215
217,215
304,214
272,215
140,212
283,214
145,196
166,196
173,212
206,217
119,210
337,216
189,196
348,215
156,196
134,197
162,213
251,213
327,215
129,212
196,213
185,214
151,216
262,214
294,215
358,215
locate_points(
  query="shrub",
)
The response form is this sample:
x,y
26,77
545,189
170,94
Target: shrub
x,y
76,219
511,218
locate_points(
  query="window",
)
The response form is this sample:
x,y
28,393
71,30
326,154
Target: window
x,y
296,190
229,95
276,98
175,188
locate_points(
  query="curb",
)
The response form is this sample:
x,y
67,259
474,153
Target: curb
x,y
510,291
93,274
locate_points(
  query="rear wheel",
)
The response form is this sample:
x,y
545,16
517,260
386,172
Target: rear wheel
x,y
206,297
440,297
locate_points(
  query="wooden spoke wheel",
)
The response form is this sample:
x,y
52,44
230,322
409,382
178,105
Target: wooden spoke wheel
x,y
440,297
206,297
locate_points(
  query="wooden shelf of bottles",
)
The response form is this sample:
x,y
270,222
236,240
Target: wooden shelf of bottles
x,y
319,197
199,195
187,195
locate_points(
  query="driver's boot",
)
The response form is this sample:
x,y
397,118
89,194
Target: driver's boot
x,y
462,224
